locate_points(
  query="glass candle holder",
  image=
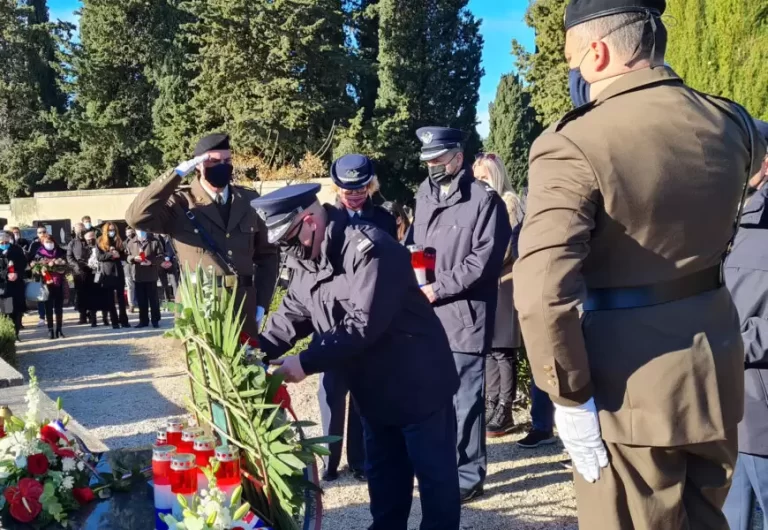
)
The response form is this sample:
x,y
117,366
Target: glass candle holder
x,y
162,437
188,436
173,429
183,480
204,449
161,478
228,474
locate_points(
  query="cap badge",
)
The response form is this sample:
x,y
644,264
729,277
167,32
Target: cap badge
x,y
426,138
350,176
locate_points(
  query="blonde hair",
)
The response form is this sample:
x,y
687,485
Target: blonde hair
x,y
499,181
372,187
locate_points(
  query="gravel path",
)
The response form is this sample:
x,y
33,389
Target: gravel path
x,y
123,384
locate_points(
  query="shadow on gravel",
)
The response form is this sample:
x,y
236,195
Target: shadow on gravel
x,y
357,516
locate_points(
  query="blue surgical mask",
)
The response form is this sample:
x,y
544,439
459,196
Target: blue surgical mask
x,y
87,225
111,233
141,234
578,87
5,246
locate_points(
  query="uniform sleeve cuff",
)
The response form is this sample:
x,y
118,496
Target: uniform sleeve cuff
x,y
308,364
574,399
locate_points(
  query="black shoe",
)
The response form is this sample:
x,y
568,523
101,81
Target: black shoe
x,y
115,326
470,495
60,334
50,334
490,410
536,438
93,323
137,326
126,324
106,322
330,476
155,325
502,422
359,474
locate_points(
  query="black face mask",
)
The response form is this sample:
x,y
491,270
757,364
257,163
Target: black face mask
x,y
439,174
295,248
219,175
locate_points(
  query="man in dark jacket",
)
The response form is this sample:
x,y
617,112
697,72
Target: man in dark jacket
x,y
13,262
466,222
746,275
78,253
145,254
354,287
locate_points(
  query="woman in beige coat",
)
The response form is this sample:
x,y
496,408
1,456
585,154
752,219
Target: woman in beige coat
x,y
501,366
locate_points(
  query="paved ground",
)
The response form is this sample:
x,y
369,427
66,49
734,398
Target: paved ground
x,y
123,384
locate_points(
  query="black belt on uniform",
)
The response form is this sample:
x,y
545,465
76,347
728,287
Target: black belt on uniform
x,y
659,293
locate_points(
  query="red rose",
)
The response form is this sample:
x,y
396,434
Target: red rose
x,y
247,339
83,495
49,434
37,464
24,500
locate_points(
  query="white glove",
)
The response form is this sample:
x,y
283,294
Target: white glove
x,y
259,315
185,168
579,429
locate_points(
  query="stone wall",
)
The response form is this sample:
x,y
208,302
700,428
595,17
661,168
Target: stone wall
x,y
99,204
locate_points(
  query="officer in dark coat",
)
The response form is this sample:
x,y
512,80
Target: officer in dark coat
x,y
354,287
466,222
355,182
746,275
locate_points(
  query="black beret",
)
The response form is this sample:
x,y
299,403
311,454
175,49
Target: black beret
x,y
580,11
212,142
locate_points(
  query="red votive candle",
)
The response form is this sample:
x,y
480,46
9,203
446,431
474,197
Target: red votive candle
x,y
183,480
162,437
174,429
229,465
204,449
188,436
161,464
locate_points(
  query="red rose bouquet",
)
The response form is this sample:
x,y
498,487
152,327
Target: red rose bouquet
x,y
44,472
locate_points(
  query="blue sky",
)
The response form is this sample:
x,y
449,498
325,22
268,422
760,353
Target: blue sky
x,y
502,22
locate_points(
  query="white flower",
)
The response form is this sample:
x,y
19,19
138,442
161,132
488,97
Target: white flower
x,y
68,464
68,483
80,466
21,462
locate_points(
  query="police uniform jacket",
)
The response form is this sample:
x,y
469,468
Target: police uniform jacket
x,y
160,208
153,252
746,275
373,324
469,229
637,188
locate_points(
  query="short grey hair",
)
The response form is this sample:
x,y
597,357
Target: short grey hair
x,y
6,235
628,35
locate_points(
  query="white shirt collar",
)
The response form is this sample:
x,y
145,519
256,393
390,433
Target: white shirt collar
x,y
352,213
212,194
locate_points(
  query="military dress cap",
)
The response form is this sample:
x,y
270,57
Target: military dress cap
x,y
279,208
436,141
212,142
580,11
352,172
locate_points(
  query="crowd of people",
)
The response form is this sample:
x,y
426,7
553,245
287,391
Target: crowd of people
x,y
110,275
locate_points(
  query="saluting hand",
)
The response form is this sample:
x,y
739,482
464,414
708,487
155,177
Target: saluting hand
x,y
429,293
290,369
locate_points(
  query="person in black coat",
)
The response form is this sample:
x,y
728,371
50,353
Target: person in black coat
x,y
20,241
746,276
354,287
54,258
78,253
111,254
31,252
354,182
13,262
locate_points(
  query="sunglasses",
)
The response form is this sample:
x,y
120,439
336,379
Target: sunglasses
x,y
489,156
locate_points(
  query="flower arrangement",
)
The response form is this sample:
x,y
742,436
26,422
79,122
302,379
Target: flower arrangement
x,y
211,511
234,396
44,470
45,267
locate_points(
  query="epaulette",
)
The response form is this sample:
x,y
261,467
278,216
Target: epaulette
x,y
575,113
363,244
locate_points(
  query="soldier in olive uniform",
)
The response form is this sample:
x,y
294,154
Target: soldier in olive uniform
x,y
211,222
631,208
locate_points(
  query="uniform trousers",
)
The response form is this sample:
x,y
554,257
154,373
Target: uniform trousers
x,y
426,450
332,395
750,484
469,403
146,297
659,488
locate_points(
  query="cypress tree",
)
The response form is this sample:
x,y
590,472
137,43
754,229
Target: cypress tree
x,y
513,128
